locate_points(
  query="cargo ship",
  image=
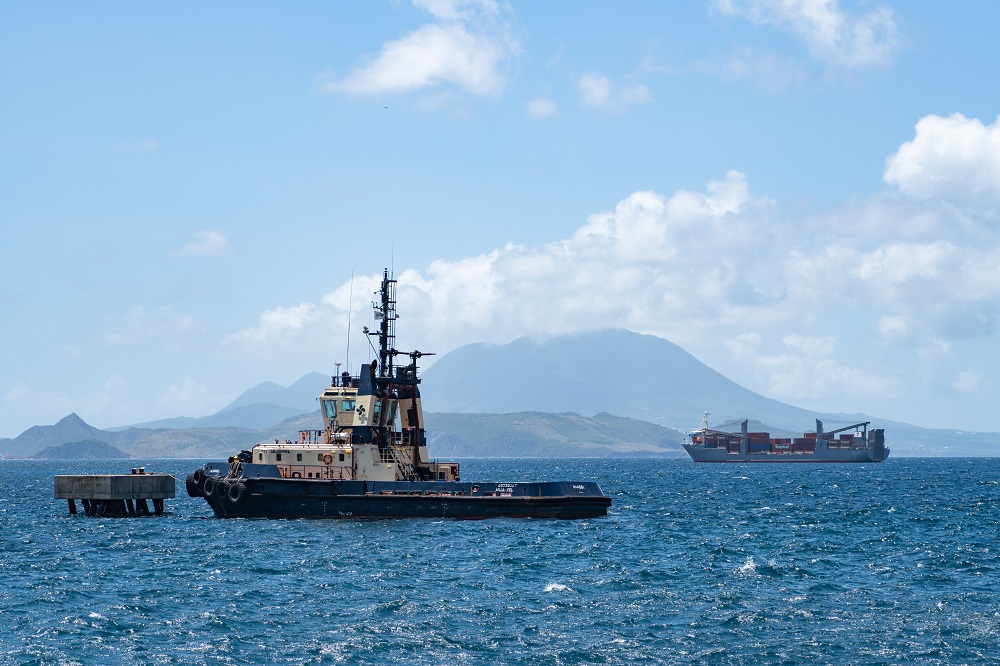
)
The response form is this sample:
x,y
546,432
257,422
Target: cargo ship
x,y
370,460
855,443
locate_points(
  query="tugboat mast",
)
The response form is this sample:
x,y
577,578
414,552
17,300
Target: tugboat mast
x,y
387,329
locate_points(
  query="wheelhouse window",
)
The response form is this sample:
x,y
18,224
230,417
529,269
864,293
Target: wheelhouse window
x,y
347,405
330,408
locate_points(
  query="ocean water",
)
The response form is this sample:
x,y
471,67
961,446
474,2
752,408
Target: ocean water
x,y
897,563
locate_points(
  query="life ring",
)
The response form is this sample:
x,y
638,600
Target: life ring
x,y
327,458
303,434
236,493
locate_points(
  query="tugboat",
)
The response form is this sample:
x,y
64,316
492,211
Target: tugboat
x,y
856,443
370,459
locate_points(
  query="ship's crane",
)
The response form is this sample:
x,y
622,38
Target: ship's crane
x,y
824,435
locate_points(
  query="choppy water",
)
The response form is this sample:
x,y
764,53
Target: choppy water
x,y
895,563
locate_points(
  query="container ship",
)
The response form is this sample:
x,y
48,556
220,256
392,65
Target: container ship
x,y
370,460
854,443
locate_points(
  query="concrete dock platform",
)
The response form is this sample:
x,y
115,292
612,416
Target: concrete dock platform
x,y
115,494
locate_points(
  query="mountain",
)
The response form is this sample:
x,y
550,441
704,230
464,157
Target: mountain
x,y
69,429
255,417
259,407
536,434
461,435
647,378
522,399
88,449
614,371
300,396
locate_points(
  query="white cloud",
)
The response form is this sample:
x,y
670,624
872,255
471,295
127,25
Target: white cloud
x,y
810,345
470,47
894,328
190,395
831,34
600,92
164,324
209,243
729,276
950,157
276,327
744,344
770,71
541,107
968,382
797,378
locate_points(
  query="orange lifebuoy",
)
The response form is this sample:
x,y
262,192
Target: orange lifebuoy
x,y
327,458
303,434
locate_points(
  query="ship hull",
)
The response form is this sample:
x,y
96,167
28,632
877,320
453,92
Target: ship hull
x,y
721,455
262,497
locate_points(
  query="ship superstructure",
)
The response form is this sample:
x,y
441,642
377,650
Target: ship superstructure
x,y
372,423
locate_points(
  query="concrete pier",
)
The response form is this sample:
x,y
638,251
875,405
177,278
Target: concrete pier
x,y
115,494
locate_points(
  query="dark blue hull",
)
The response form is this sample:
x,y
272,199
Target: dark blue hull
x,y
268,497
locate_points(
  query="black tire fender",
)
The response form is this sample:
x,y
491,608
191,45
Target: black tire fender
x,y
237,492
192,486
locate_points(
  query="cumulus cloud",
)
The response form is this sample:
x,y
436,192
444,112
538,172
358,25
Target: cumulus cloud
x,y
832,35
951,157
181,398
727,274
967,382
541,107
468,46
164,324
275,327
771,71
600,92
207,243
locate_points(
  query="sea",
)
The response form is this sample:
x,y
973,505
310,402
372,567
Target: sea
x,y
892,563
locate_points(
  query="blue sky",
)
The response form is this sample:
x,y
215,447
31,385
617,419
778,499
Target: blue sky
x,y
803,194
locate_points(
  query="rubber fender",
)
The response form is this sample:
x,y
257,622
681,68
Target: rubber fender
x,y
192,486
237,492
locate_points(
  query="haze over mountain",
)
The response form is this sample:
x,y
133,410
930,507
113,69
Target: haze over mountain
x,y
259,407
608,393
613,371
643,377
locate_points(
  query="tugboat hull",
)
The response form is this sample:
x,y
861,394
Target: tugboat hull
x,y
262,497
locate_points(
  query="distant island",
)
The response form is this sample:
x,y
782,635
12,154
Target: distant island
x,y
87,449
